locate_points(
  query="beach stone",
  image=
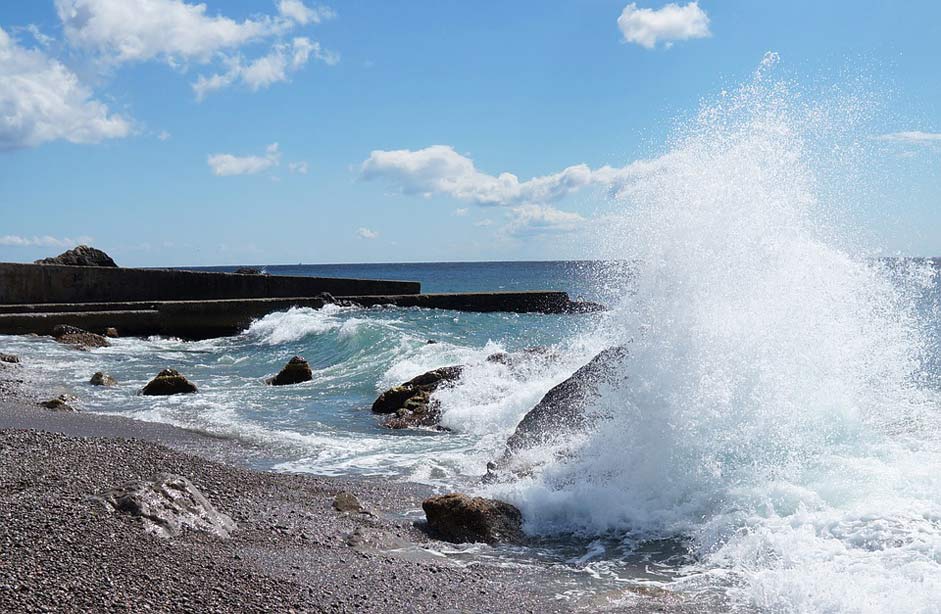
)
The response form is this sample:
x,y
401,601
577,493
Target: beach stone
x,y
72,335
561,412
10,358
63,402
168,505
112,332
82,255
294,372
347,502
459,519
167,382
102,379
410,405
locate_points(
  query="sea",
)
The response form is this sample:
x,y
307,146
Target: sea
x,y
773,442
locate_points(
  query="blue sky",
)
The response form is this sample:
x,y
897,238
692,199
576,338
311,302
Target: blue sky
x,y
282,131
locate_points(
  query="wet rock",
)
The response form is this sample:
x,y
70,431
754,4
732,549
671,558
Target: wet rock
x,y
561,412
82,255
72,335
410,405
63,402
296,371
459,519
248,270
168,505
9,358
102,379
167,382
347,502
111,332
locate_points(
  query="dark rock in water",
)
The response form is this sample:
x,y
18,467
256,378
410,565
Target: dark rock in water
x,y
10,358
167,382
431,342
112,332
459,519
248,270
102,379
561,411
410,405
296,371
72,335
82,255
63,402
347,502
168,505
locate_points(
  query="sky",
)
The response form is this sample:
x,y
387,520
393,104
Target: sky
x,y
171,133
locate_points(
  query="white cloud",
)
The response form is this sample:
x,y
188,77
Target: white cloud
x,y
41,100
300,168
912,137
365,233
461,212
302,14
226,165
268,69
646,27
528,220
164,135
42,241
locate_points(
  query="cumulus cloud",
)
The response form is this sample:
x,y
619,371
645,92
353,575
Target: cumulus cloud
x,y
912,137
529,220
42,241
647,27
365,233
41,100
164,135
302,14
226,165
301,168
262,72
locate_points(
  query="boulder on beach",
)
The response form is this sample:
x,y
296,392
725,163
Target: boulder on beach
x,y
82,255
347,502
561,412
167,505
72,335
296,371
102,379
167,382
460,519
63,402
410,405
9,358
111,332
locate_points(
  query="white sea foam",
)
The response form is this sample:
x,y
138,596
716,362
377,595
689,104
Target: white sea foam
x,y
773,414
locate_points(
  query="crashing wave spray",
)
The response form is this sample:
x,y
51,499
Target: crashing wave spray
x,y
772,415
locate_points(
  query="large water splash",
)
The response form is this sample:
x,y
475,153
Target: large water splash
x,y
772,415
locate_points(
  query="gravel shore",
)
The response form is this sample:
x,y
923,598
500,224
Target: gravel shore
x,y
63,550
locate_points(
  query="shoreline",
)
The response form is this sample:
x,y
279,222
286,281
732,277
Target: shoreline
x,y
292,551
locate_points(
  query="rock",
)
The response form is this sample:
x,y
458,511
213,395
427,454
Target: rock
x,y
112,332
72,335
167,382
410,405
63,402
296,371
10,358
248,270
347,502
459,519
561,412
82,255
168,505
102,379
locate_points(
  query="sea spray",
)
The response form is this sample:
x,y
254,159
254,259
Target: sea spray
x,y
774,415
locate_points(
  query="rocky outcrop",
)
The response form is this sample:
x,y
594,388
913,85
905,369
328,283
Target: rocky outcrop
x,y
72,335
459,519
296,371
63,402
9,358
111,332
410,405
561,412
167,382
82,255
102,379
168,505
